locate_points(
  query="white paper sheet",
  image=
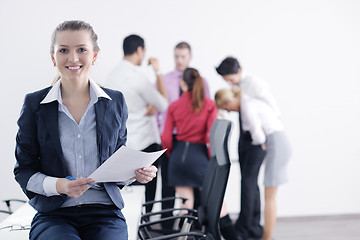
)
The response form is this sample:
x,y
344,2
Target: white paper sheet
x,y
121,166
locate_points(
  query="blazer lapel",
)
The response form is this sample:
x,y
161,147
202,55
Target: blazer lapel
x,y
100,111
50,114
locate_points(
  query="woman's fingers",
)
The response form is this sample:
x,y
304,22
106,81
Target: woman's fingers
x,y
73,188
146,174
77,187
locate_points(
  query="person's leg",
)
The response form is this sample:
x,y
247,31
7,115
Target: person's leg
x,y
227,228
104,224
270,212
166,191
197,201
248,223
150,187
52,226
188,193
242,147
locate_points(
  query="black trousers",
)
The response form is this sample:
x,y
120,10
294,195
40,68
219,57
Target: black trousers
x,y
91,222
250,158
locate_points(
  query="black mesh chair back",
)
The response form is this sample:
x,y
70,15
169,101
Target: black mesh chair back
x,y
213,189
215,181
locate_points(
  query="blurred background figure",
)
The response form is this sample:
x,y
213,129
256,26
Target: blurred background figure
x,y
250,156
267,131
143,100
182,56
192,115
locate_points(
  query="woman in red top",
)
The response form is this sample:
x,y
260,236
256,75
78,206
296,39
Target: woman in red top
x,y
192,116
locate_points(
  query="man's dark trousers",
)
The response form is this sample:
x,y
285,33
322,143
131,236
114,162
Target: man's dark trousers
x,y
250,158
166,191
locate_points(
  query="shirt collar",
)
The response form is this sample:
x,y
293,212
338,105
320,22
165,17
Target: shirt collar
x,y
55,93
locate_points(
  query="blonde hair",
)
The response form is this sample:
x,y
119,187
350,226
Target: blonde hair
x,y
74,25
223,96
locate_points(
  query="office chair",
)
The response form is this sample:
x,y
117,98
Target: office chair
x,y
8,204
212,194
6,212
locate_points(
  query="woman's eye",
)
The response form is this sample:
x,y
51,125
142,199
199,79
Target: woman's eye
x,y
63,50
82,50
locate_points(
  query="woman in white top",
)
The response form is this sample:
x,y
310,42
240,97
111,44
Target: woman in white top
x,y
267,130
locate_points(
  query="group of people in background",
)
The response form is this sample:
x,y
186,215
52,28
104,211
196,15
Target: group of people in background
x,y
262,138
178,108
176,113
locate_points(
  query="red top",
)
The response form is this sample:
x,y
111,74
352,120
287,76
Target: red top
x,y
190,126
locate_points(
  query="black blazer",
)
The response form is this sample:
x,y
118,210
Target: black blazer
x,y
38,147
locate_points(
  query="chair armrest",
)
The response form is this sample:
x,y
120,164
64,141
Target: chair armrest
x,y
147,224
164,200
193,211
7,202
7,212
197,235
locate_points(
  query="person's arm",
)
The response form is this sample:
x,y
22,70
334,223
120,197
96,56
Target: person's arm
x,y
151,95
27,150
209,123
167,135
211,118
154,62
42,184
249,112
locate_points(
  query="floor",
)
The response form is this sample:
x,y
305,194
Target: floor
x,y
341,227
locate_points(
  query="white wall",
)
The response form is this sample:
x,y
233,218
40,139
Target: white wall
x,y
308,51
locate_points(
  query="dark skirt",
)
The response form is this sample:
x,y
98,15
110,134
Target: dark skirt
x,y
187,164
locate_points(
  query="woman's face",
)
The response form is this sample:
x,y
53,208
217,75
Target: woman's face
x,y
74,54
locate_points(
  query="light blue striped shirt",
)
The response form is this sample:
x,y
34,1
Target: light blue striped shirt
x,y
79,146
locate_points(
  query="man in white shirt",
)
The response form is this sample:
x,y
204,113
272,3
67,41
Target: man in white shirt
x,y
143,100
250,84
250,156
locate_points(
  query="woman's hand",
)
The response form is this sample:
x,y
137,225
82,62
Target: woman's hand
x,y
263,147
146,174
75,188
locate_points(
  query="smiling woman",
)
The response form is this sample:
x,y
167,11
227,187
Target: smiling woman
x,y
63,132
74,46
